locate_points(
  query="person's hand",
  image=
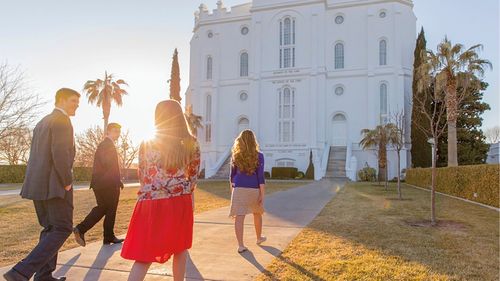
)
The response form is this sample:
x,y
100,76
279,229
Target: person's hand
x,y
261,200
68,187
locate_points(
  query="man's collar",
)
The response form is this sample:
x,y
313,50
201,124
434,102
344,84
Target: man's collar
x,y
62,110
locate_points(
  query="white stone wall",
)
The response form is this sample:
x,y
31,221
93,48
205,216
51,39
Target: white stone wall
x,y
314,77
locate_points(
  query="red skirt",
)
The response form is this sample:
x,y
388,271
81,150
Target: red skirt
x,y
159,228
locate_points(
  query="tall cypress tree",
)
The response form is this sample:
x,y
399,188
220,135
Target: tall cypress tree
x,y
471,142
421,155
175,79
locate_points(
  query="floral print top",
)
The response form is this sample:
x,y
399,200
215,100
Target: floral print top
x,y
158,183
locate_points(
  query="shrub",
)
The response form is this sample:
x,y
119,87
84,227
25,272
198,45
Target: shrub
x,y
300,175
82,174
267,175
310,169
16,173
12,173
367,174
283,172
479,183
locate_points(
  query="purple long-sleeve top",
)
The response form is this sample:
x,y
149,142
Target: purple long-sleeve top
x,y
242,179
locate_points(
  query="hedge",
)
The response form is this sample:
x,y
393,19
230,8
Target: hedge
x,y
283,172
15,173
479,183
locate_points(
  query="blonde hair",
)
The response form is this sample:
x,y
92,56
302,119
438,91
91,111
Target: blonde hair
x,y
245,152
173,137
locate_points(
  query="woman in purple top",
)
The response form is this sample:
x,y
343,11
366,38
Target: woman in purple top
x,y
247,185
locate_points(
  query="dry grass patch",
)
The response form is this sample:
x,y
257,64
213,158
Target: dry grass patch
x,y
362,234
19,228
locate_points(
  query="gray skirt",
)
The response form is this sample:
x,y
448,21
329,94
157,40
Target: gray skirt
x,y
245,201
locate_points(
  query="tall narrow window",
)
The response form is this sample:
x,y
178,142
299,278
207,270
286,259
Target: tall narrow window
x,y
209,68
382,53
339,56
286,115
383,104
287,43
244,64
208,120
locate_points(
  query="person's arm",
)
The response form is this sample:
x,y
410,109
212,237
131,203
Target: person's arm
x,y
261,178
232,174
61,147
194,167
142,164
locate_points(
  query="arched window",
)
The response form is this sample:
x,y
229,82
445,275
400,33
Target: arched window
x,y
209,68
383,104
285,162
243,124
286,115
382,53
287,42
208,119
339,56
244,64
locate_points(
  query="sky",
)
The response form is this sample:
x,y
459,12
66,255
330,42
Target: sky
x,y
65,43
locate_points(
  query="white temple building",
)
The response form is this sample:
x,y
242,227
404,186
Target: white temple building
x,y
304,75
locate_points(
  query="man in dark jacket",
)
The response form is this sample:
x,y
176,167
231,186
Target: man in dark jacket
x,y
48,182
106,184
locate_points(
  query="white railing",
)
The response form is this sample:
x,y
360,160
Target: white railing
x,y
324,162
209,172
351,163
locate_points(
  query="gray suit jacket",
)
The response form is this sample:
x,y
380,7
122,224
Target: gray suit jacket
x,y
51,158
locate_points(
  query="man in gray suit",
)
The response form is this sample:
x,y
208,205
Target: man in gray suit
x,y
48,182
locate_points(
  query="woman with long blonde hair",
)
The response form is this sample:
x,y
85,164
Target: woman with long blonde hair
x,y
162,222
247,185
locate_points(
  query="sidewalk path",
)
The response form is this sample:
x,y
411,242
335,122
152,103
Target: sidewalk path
x,y
214,255
78,186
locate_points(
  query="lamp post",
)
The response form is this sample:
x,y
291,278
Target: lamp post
x,y
433,143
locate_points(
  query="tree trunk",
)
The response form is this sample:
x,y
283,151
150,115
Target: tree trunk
x,y
452,116
452,144
400,196
433,185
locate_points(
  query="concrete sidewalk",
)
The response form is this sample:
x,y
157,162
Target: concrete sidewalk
x,y
213,255
77,186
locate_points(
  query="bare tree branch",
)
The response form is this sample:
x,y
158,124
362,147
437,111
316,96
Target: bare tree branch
x,y
19,106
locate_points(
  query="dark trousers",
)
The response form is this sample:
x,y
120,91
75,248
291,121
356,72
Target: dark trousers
x,y
107,203
56,217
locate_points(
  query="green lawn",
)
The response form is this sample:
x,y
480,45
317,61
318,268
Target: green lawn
x,y
19,229
363,234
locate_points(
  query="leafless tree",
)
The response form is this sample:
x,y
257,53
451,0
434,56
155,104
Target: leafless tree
x,y
87,143
397,137
19,106
127,151
15,146
434,114
493,134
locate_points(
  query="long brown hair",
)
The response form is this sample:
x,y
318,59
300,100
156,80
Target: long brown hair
x,y
173,136
245,152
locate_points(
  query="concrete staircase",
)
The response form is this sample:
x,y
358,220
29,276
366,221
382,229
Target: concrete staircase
x,y
223,172
336,162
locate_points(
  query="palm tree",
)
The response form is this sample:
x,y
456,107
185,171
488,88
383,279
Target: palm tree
x,y
194,121
380,137
456,68
104,92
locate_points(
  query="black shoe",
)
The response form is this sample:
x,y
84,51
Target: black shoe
x,y
62,278
13,275
115,240
79,237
